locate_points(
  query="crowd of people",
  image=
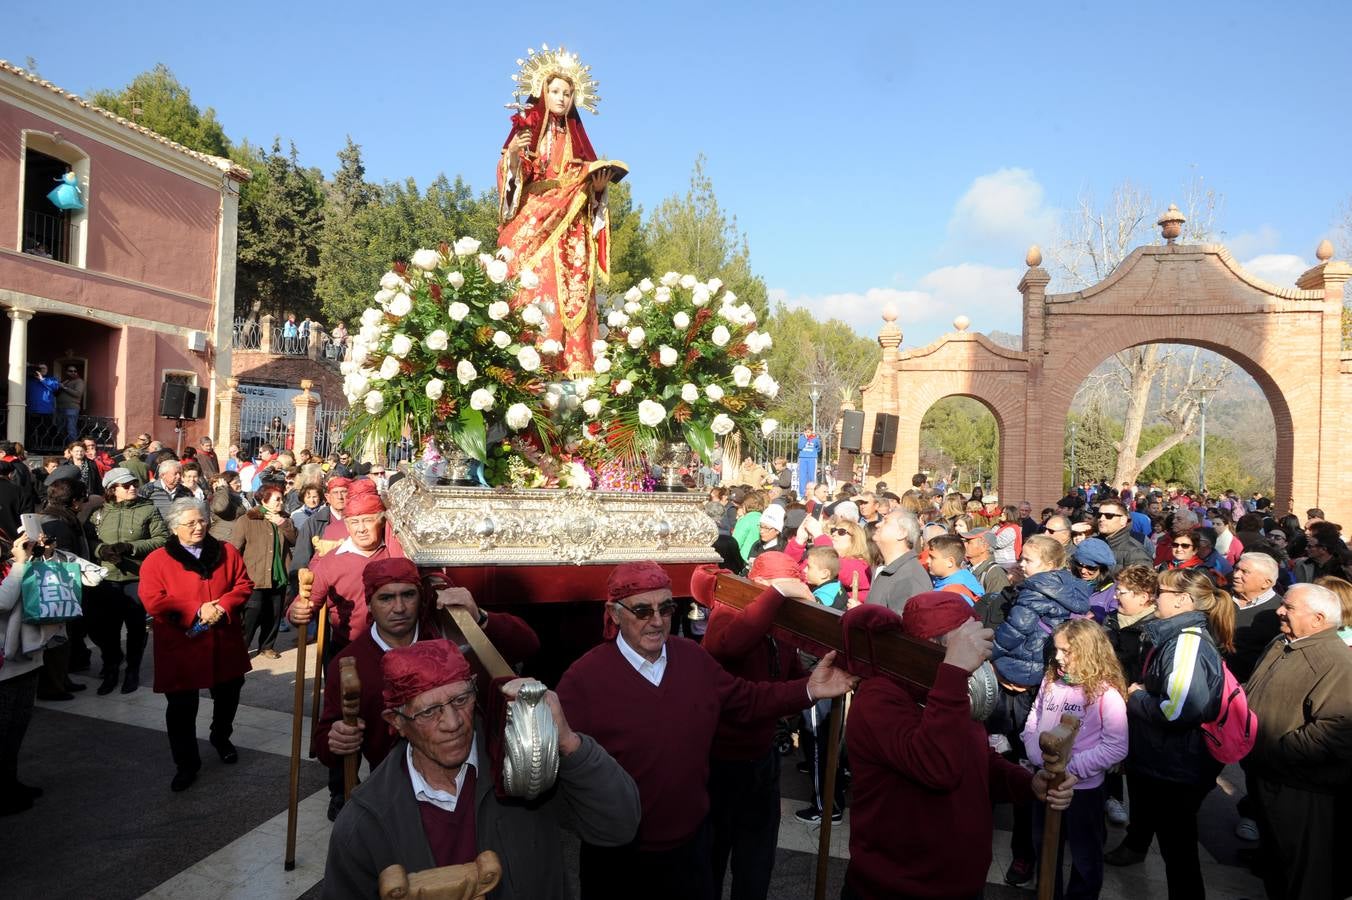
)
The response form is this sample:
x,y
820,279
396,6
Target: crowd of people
x,y
1134,610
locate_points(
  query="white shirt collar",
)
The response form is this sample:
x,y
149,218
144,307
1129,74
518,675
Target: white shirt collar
x,y
380,641
653,671
348,547
1264,597
425,793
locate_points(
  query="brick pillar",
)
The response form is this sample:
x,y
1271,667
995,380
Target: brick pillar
x,y
1333,485
317,337
1038,474
307,404
229,407
265,341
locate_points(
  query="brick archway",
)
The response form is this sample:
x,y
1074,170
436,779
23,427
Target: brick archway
x,y
1288,339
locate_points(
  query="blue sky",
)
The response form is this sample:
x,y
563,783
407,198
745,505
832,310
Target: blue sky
x,y
873,153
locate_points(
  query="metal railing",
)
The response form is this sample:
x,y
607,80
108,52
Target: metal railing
x,y
330,423
265,422
248,334
46,235
784,442
46,434
297,344
333,350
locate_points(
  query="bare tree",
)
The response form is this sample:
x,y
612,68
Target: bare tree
x,y
1093,243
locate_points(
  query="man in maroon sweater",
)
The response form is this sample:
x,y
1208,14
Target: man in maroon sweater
x,y
925,775
653,701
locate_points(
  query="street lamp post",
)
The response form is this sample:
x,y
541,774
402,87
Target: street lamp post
x,y
1073,482
814,396
1201,453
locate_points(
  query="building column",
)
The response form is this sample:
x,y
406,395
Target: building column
x,y
228,416
307,404
18,374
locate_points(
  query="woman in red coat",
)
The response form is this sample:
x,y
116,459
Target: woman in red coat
x,y
195,588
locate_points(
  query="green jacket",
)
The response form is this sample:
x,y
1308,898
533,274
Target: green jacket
x,y
134,522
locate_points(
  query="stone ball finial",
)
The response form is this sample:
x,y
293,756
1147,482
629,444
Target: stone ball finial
x,y
962,323
1324,252
306,384
1034,257
1171,223
890,312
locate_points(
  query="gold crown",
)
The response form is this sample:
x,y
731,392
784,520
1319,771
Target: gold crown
x,y
538,68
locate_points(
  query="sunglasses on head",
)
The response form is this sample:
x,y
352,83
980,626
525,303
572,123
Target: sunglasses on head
x,y
646,611
841,532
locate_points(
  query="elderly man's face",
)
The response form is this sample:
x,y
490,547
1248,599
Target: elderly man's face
x,y
644,621
1297,619
1059,528
366,531
1249,580
439,723
170,477
1025,510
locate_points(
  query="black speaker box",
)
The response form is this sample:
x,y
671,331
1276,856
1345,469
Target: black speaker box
x,y
885,434
174,400
198,405
852,430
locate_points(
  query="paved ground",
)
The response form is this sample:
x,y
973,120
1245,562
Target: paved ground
x,y
109,828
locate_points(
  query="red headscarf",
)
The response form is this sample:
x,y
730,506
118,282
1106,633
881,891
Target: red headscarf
x,y
934,614
633,578
774,564
397,570
338,481
362,499
421,667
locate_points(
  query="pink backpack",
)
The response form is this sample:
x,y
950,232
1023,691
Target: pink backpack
x,y
1231,736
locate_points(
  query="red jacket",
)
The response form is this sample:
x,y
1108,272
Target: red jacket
x,y
174,585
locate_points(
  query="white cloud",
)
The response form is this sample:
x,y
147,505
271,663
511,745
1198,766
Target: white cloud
x,y
1003,210
1251,243
1282,269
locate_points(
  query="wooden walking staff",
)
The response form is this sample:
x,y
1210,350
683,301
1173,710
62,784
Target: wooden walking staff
x,y
349,687
832,763
1056,745
306,579
317,694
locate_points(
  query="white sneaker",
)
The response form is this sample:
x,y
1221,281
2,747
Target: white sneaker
x,y
1117,813
1247,829
999,743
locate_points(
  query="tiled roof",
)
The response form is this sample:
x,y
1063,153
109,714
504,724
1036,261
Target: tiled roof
x,y
239,173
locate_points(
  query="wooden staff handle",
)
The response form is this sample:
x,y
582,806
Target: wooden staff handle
x,y
317,691
306,579
1056,747
828,796
349,687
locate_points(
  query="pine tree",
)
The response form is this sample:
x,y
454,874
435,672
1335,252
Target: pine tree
x,y
279,224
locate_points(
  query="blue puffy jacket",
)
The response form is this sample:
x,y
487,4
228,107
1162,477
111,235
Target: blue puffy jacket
x,y
1045,600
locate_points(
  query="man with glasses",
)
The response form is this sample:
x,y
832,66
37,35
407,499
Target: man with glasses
x,y
325,523
1114,526
429,804
653,701
1058,527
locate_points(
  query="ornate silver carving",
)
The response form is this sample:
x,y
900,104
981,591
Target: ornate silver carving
x,y
983,689
530,761
475,526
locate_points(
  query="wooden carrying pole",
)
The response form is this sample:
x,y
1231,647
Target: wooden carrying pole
x,y
317,694
828,796
306,579
349,687
1056,745
483,648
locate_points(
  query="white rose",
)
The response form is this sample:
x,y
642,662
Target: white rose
x,y
485,259
383,297
371,317
437,340
729,312
359,353
357,384
465,371
551,401
434,389
501,340
592,407
768,427
663,294
374,401
400,345
528,359
505,253
602,365
482,400
713,392
617,319
347,367
689,393
667,356
729,297
747,313
689,281
714,285
670,279
645,285
401,305
721,425
498,310
681,320
456,280
632,308
582,386
457,311
721,336
636,336
391,281
623,386
767,385
741,376
466,246
389,367
529,280
700,295
518,416
550,347
427,260
531,315
599,348
650,413
633,295
497,271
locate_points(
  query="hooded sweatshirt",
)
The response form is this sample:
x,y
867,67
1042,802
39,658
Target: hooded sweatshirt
x,y
1102,740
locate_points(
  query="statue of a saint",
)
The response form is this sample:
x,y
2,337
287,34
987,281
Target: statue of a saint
x,y
552,206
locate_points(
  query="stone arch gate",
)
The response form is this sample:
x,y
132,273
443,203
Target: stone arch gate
x,y
1288,339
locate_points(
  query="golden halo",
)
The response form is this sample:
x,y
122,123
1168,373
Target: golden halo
x,y
537,68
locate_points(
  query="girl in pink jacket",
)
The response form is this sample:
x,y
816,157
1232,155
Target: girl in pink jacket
x,y
1084,680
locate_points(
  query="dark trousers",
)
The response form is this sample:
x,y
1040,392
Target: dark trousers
x,y
1167,810
332,647
744,816
180,720
1297,829
16,711
118,604
1084,829
681,873
814,739
263,614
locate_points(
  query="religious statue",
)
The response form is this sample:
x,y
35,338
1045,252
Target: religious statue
x,y
552,207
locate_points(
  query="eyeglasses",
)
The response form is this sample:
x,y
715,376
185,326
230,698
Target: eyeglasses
x,y
431,714
841,532
1180,545
1108,515
646,611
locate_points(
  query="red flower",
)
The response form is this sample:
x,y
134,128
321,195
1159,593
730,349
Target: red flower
x,y
436,292
693,355
444,248
400,268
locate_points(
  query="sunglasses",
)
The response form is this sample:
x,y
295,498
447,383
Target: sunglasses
x,y
841,532
1180,545
1109,515
645,612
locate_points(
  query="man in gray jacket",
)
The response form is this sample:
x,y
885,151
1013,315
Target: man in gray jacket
x,y
413,810
901,576
1114,526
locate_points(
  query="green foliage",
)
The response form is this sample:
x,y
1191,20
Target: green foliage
x,y
1182,464
279,222
808,350
628,240
961,433
157,100
1095,437
694,234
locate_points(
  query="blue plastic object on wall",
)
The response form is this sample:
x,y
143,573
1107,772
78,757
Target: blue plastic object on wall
x,y
66,195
